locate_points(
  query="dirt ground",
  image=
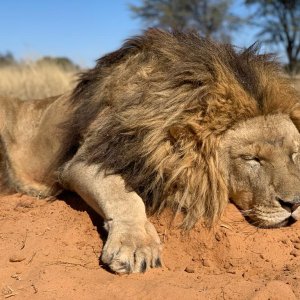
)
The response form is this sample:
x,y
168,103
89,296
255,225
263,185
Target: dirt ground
x,y
51,249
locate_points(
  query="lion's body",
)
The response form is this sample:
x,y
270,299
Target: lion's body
x,y
30,143
160,113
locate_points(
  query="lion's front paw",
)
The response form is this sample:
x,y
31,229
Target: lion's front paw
x,y
132,248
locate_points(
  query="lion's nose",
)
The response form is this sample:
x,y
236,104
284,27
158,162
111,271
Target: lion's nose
x,y
289,205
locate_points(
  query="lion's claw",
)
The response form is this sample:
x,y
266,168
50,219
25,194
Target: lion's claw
x,y
158,263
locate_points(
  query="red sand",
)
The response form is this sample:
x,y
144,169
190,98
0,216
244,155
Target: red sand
x,y
50,250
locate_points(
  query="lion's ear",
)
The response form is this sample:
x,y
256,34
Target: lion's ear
x,y
295,116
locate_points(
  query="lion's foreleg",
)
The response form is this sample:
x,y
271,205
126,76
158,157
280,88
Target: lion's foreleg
x,y
133,244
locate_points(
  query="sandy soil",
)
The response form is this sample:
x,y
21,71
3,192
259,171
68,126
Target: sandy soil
x,y
50,250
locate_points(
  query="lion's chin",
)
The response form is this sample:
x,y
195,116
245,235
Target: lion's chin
x,y
285,223
262,223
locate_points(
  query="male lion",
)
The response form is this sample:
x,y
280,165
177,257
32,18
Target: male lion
x,y
173,119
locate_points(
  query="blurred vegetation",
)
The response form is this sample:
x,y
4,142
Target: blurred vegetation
x,y
213,19
7,59
279,21
63,63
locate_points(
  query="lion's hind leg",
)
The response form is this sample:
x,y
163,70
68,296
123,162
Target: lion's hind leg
x,y
133,244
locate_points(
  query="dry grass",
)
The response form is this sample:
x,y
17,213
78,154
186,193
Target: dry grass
x,y
35,81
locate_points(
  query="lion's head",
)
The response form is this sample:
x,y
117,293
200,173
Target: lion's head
x,y
261,159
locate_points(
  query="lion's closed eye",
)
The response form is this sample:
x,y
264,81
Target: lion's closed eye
x,y
252,160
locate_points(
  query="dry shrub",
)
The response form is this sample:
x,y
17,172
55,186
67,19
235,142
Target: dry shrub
x,y
35,81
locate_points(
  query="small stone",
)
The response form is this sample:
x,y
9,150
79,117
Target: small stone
x,y
284,242
294,253
189,270
218,236
206,262
228,265
17,258
297,246
15,276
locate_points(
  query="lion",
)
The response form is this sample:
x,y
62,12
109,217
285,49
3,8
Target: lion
x,y
170,119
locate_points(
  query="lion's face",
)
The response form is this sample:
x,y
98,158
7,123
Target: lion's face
x,y
262,163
